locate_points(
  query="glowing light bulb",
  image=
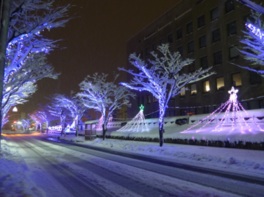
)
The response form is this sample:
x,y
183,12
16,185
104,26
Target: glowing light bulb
x,y
233,95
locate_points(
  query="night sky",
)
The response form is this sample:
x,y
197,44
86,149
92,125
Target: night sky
x,y
94,41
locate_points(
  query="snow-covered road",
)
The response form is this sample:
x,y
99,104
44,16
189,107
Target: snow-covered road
x,y
52,169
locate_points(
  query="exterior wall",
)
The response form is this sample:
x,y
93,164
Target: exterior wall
x,y
172,28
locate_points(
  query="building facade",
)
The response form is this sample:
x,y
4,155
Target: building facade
x,y
208,31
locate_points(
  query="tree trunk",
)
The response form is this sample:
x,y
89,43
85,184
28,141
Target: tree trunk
x,y
76,128
161,122
161,130
4,23
104,131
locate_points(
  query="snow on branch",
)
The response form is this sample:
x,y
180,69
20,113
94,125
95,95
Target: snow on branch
x,y
27,47
162,76
253,44
103,96
253,6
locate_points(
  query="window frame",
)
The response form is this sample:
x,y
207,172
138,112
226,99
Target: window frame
x,y
233,52
231,28
216,35
201,21
229,6
234,82
190,47
179,34
217,83
205,86
214,10
202,41
189,28
216,58
204,59
193,91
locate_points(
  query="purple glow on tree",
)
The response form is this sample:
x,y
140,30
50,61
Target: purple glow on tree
x,y
66,108
40,118
253,41
258,32
19,86
162,77
103,96
25,124
253,6
27,48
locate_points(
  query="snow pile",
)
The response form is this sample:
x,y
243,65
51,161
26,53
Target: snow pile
x,y
239,160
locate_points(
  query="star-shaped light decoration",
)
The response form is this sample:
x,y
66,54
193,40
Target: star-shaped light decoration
x,y
233,95
141,107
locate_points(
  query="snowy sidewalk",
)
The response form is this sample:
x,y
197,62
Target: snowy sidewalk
x,y
248,162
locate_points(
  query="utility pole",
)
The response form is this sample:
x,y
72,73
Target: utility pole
x,y
4,23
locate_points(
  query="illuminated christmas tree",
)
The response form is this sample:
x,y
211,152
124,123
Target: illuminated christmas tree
x,y
229,117
137,124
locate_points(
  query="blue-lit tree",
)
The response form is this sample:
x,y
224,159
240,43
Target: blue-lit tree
x,y
40,118
20,85
163,77
25,124
253,6
27,48
103,96
72,108
253,40
57,109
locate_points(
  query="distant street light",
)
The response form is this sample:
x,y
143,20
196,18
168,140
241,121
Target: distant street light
x,y
15,109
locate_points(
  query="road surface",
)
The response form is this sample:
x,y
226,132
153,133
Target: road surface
x,y
62,169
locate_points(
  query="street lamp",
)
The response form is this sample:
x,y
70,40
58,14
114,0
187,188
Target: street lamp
x,y
15,109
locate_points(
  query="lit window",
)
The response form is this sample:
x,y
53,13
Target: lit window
x,y
237,79
206,86
193,89
220,83
182,93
